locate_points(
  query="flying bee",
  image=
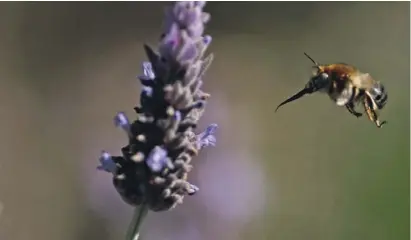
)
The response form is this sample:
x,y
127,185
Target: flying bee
x,y
346,86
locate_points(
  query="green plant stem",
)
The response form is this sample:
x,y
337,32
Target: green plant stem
x,y
133,231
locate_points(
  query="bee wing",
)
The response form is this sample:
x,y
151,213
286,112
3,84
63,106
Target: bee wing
x,y
362,80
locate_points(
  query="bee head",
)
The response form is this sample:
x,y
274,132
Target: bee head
x,y
318,81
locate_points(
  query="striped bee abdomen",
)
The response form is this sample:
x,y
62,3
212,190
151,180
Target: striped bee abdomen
x,y
379,95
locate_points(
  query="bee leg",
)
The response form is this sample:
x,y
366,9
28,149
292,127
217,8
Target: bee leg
x,y
372,115
350,108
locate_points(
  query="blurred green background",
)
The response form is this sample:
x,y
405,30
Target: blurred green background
x,y
66,68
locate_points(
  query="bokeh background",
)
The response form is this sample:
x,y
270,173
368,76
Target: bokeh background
x,y
310,171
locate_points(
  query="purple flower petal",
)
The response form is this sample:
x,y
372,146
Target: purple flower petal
x,y
148,70
189,53
147,90
121,120
177,115
211,128
207,137
157,159
207,39
193,189
106,163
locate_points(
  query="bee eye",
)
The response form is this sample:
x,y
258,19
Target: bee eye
x,y
324,75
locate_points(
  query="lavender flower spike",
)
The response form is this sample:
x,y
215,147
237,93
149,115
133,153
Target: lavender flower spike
x,y
152,173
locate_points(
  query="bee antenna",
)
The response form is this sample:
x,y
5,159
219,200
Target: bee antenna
x,y
312,60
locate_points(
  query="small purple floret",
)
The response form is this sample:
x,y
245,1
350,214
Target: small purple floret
x,y
177,115
211,128
148,71
148,91
106,163
157,159
121,120
207,39
207,137
193,189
